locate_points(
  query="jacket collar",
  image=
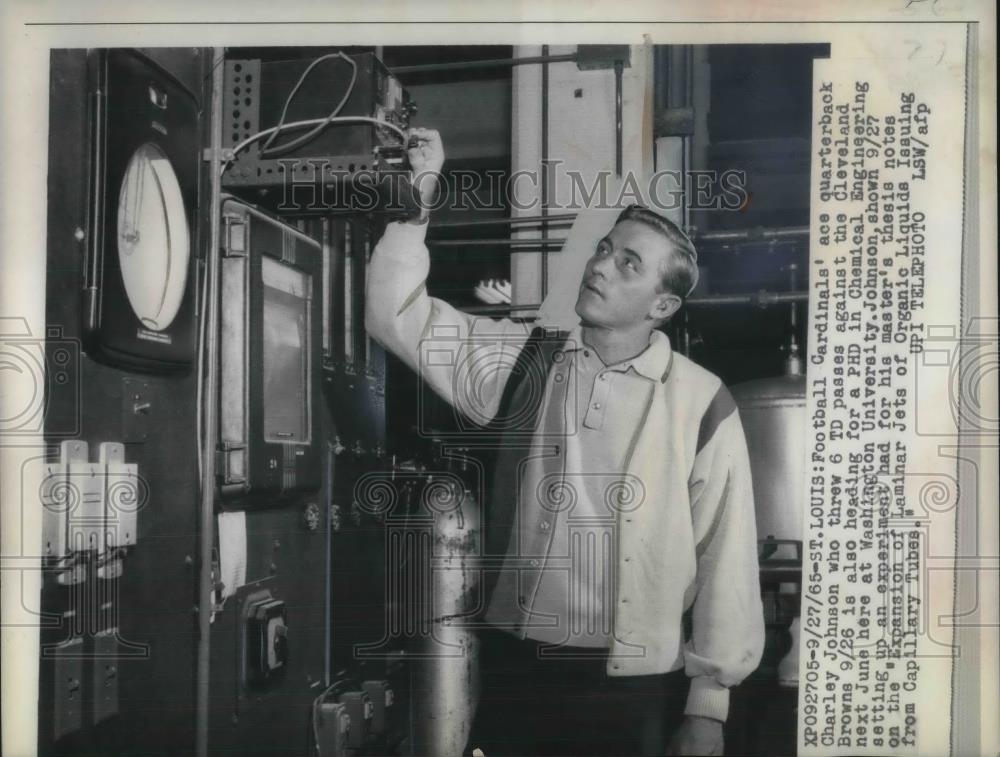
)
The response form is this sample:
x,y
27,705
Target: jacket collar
x,y
653,363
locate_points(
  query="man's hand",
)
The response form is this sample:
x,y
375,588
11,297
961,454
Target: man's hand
x,y
426,154
697,735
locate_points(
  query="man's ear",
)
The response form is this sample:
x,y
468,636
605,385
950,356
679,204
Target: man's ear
x,y
664,306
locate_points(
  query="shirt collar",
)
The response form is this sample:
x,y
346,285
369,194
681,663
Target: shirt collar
x,y
654,362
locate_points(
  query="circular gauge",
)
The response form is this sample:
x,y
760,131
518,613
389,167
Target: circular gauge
x,y
153,241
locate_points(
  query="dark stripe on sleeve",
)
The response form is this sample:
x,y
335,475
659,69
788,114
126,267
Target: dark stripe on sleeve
x,y
522,395
720,408
412,297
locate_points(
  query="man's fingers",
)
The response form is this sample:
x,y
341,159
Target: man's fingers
x,y
424,136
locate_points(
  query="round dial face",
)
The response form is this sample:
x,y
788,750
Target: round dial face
x,y
154,245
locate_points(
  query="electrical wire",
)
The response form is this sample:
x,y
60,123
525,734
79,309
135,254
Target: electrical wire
x,y
312,122
266,148
200,369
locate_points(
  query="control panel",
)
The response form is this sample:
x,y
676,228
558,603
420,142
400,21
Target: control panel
x,y
306,133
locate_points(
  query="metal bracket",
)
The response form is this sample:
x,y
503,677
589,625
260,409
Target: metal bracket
x,y
596,57
136,409
674,122
224,154
59,500
235,244
232,460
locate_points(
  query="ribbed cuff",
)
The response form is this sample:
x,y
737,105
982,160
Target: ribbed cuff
x,y
707,698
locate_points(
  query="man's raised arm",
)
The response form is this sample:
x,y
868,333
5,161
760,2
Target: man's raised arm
x,y
465,359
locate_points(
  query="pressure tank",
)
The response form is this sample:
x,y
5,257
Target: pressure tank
x,y
446,665
773,412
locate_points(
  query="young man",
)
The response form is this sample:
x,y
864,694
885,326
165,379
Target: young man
x,y
621,502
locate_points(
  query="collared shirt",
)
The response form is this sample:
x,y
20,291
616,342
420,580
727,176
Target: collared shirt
x,y
685,536
589,418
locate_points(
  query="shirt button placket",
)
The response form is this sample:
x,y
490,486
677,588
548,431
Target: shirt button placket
x,y
598,401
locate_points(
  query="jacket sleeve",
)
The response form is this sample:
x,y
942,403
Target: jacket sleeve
x,y
464,358
727,637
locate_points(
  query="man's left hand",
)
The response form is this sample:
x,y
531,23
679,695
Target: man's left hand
x,y
697,735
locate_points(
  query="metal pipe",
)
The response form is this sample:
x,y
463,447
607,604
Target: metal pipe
x,y
689,165
533,242
618,117
742,235
761,299
722,236
328,577
793,281
488,63
522,221
545,168
206,534
497,309
752,235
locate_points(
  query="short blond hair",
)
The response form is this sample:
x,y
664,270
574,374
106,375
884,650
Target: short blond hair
x,y
680,273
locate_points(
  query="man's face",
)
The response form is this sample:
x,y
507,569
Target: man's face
x,y
621,283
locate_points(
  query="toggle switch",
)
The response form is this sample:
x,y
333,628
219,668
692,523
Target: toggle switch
x,y
265,640
333,727
381,696
359,707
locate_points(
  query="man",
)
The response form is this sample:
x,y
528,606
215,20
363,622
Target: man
x,y
622,498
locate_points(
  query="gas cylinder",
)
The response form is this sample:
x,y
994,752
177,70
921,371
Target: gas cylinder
x,y
773,412
446,653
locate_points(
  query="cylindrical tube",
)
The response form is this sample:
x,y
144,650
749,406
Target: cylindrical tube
x,y
761,299
562,219
618,118
752,235
464,65
545,168
209,397
533,242
446,671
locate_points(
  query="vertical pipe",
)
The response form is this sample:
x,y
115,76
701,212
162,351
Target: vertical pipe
x,y
688,152
678,95
545,169
328,573
210,399
793,285
618,118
